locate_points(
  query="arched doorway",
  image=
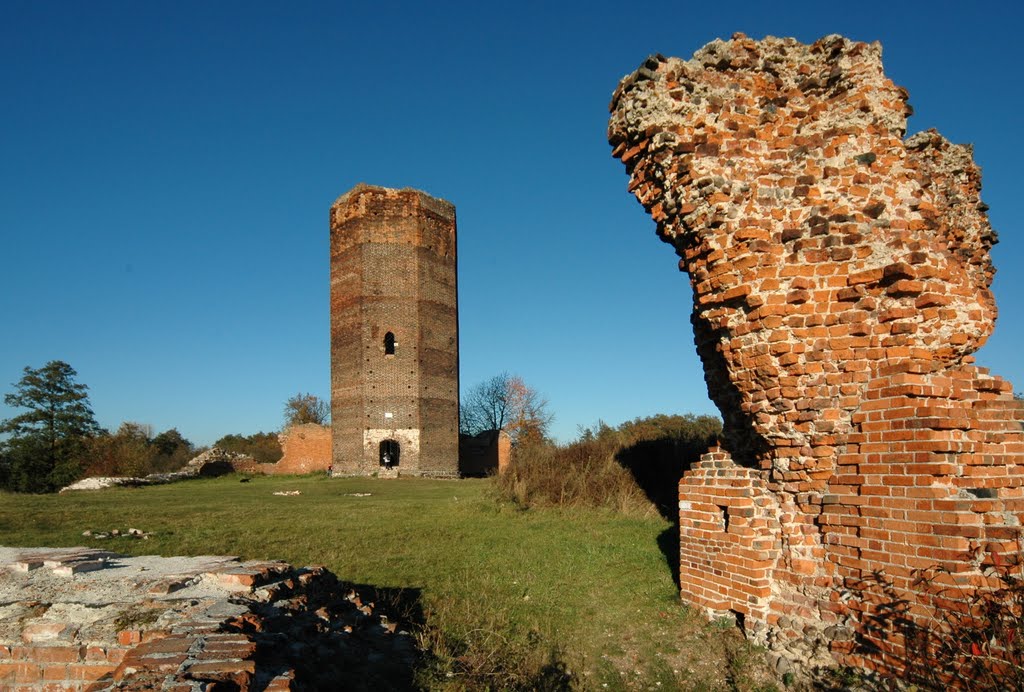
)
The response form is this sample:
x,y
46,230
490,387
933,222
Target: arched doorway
x,y
389,453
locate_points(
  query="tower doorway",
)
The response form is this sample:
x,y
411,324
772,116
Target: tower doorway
x,y
389,453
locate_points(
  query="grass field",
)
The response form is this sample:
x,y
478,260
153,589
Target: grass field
x,y
510,598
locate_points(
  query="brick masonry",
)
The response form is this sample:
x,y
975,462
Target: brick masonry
x,y
74,619
840,278
485,454
304,449
394,332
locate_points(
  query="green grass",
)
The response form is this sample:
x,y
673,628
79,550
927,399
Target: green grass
x,y
511,598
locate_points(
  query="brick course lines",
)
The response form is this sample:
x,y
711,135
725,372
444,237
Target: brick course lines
x,y
394,332
840,277
254,625
305,448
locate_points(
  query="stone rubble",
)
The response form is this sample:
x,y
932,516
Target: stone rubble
x,y
213,462
84,619
117,533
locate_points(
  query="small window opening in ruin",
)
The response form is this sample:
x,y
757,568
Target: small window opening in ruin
x,y
725,517
741,620
389,453
389,344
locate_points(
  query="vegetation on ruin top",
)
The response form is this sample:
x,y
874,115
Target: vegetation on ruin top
x,y
511,598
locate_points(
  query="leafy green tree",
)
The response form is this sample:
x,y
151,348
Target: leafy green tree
x,y
45,445
170,441
263,447
133,451
306,408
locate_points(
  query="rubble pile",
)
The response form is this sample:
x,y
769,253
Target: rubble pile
x,y
85,619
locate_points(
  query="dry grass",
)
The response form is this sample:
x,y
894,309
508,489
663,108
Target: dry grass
x,y
633,469
583,474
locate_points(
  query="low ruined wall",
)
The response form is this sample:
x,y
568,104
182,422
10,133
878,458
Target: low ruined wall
x,y
82,619
840,279
305,448
213,462
484,454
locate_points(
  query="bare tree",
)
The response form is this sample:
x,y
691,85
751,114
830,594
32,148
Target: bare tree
x,y
505,402
306,408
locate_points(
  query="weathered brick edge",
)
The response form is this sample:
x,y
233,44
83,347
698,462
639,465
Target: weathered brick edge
x,y
301,628
840,281
394,276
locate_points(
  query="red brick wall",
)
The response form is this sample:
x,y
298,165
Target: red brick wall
x,y
60,667
97,621
484,454
840,278
393,269
305,448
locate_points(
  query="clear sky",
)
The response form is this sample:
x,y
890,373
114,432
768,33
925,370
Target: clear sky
x,y
166,169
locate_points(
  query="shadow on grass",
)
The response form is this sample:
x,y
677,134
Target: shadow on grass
x,y
337,635
668,543
656,466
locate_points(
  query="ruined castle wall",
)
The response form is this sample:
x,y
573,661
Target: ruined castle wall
x,y
305,448
484,454
840,279
393,271
81,619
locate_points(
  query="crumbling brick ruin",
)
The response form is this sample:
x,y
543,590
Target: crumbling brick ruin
x,y
840,280
74,619
484,454
305,448
394,334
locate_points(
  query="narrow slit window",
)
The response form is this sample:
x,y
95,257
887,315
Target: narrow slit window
x,y
389,344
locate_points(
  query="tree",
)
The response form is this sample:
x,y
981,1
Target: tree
x,y
173,451
133,451
45,447
171,441
505,402
306,408
263,447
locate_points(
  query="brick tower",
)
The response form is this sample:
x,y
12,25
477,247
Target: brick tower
x,y
394,334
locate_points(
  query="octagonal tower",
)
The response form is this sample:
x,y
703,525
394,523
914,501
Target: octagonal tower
x,y
394,334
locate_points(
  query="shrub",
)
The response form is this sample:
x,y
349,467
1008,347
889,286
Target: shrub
x,y
633,469
134,451
948,634
584,473
659,449
977,640
263,447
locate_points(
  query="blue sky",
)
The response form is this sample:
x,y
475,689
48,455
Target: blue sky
x,y
166,171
